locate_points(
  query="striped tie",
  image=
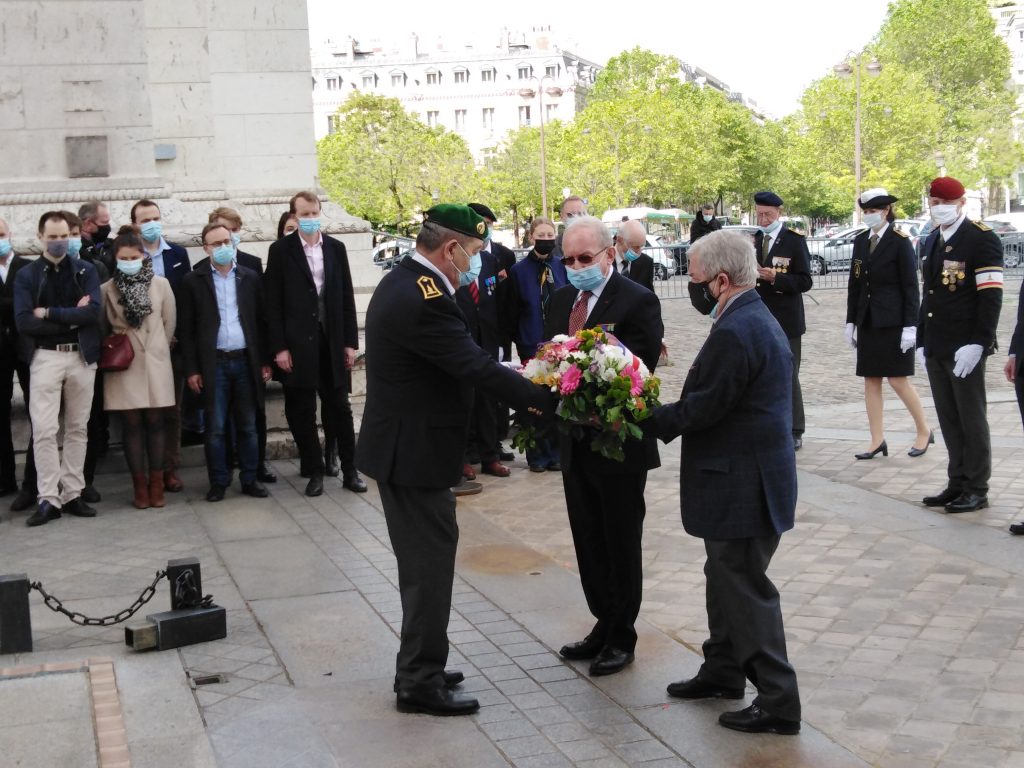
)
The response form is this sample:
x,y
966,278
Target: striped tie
x,y
578,316
474,291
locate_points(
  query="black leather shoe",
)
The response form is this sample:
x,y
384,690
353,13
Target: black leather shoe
x,y
354,482
967,502
915,452
439,701
610,660
753,719
90,495
941,499
265,473
78,508
44,513
315,486
581,650
1017,529
883,448
798,443
332,467
695,688
452,679
216,493
255,489
26,498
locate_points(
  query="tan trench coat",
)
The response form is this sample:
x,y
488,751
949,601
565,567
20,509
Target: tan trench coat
x,y
149,380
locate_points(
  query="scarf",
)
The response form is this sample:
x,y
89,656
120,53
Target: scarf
x,y
134,291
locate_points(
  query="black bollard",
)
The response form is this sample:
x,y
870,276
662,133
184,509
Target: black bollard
x,y
15,619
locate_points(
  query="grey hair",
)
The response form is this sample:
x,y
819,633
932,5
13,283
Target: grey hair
x,y
90,209
632,231
595,225
432,236
729,252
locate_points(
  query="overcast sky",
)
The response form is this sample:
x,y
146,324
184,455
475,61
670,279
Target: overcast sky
x,y
768,50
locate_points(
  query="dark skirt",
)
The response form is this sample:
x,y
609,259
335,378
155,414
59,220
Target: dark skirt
x,y
878,353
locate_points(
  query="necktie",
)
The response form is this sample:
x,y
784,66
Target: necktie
x,y
766,245
625,268
873,243
474,292
578,316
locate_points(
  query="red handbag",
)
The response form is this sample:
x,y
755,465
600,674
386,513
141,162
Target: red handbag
x,y
116,354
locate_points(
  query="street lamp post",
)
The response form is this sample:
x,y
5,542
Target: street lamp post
x,y
844,70
528,93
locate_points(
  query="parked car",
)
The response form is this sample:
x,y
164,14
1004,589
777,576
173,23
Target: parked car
x,y
663,256
390,250
834,253
1013,241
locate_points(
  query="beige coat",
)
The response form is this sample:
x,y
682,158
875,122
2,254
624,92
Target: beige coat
x,y
149,380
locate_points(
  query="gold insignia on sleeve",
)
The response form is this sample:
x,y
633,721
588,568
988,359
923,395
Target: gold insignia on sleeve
x,y
429,288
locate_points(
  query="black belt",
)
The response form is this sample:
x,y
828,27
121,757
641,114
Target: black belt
x,y
233,354
57,347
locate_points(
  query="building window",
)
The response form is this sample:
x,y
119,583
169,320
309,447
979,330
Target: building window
x,y
551,70
332,83
487,76
524,115
488,118
460,119
433,78
550,112
332,123
397,79
432,118
524,72
369,81
461,76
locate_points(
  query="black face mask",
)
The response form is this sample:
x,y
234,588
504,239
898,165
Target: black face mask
x,y
101,234
544,247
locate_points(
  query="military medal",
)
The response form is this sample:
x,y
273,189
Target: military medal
x,y
856,268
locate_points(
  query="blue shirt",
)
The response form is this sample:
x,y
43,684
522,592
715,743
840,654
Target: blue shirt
x,y
230,335
158,256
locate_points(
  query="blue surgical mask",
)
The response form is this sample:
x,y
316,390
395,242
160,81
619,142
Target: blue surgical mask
x,y
309,226
5,248
74,246
707,218
57,249
872,219
223,254
152,231
235,239
586,279
771,227
631,255
129,267
475,262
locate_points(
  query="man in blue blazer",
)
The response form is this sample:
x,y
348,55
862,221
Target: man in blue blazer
x,y
738,486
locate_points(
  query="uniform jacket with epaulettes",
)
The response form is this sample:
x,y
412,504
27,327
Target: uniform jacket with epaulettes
x,y
883,290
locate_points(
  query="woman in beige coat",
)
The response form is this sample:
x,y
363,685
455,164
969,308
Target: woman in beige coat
x,y
139,303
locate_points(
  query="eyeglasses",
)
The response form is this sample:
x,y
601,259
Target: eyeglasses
x,y
585,259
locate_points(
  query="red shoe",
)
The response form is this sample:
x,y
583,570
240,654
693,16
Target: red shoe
x,y
496,468
467,472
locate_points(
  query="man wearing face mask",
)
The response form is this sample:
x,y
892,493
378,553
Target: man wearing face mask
x,y
605,498
571,208
962,293
704,223
225,360
10,265
95,228
56,309
630,261
422,367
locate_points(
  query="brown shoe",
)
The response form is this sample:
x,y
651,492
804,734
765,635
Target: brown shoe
x,y
467,472
172,482
496,468
140,484
157,482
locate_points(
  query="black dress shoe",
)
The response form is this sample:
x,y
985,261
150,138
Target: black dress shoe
x,y
610,660
438,701
255,489
315,486
941,499
753,719
90,495
265,473
1017,529
915,452
78,508
967,502
581,650
452,679
695,688
883,448
354,482
332,467
26,498
798,443
216,493
44,513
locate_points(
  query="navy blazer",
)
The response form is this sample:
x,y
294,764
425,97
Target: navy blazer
x,y
482,317
783,298
882,291
176,266
735,414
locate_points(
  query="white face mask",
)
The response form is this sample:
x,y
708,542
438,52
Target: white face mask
x,y
872,219
944,215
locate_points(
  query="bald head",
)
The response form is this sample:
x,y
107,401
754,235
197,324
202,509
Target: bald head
x,y
5,231
633,235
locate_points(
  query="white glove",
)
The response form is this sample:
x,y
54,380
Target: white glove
x,y
966,358
920,357
908,339
851,335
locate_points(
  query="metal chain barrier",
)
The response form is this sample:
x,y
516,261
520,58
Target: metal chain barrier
x,y
57,606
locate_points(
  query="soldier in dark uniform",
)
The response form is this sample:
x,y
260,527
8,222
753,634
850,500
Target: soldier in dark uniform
x,y
422,367
1013,373
962,278
883,300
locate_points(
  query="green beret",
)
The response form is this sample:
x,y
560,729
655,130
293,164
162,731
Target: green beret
x,y
458,218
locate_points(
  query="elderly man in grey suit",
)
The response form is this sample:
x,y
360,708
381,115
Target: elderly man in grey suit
x,y
738,487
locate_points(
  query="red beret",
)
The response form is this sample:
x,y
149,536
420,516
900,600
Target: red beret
x,y
946,188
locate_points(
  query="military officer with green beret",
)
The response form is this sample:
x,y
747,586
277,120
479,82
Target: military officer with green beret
x,y
422,366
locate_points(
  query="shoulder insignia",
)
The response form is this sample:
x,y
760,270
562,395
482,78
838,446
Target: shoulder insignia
x,y
429,288
982,226
900,232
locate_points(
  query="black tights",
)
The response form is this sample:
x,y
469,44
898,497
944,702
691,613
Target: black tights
x,y
143,432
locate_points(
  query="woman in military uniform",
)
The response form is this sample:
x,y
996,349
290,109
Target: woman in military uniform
x,y
881,318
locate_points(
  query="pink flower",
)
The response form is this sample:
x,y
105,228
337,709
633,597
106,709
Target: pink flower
x,y
572,345
570,381
637,383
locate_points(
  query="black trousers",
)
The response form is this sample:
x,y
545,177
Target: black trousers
x,y
9,365
424,536
962,408
799,423
98,432
1018,385
483,429
747,640
606,515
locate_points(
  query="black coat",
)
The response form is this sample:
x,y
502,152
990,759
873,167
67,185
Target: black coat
x,y
176,266
699,228
422,367
789,252
482,318
505,256
882,291
199,322
8,330
968,315
292,309
633,315
247,260
642,271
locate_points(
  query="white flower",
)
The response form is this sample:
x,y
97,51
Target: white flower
x,y
560,338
